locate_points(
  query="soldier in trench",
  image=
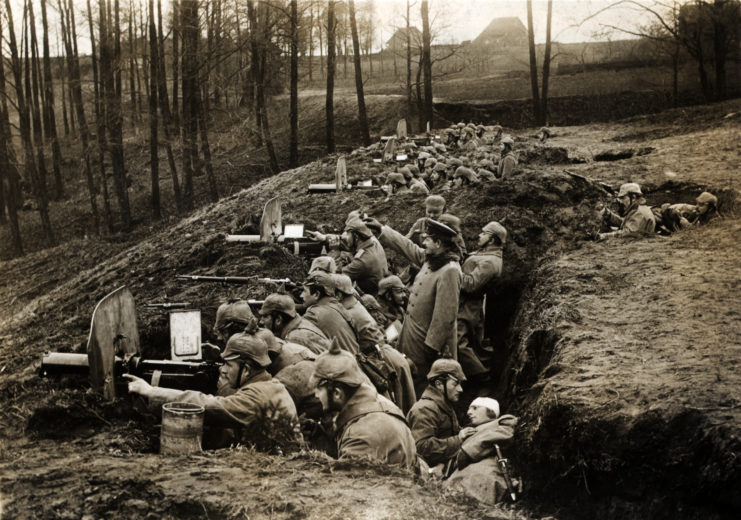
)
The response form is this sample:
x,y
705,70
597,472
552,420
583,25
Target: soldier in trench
x,y
635,218
260,411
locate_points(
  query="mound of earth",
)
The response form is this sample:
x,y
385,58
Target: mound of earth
x,y
619,356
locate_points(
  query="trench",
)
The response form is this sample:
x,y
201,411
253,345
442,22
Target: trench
x,y
129,428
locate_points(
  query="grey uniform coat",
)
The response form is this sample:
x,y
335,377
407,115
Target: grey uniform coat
x,y
429,330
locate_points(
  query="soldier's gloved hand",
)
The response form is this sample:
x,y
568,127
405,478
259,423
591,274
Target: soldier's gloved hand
x,y
137,385
373,225
316,235
466,432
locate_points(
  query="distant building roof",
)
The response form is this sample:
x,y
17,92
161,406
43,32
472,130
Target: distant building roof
x,y
502,31
399,39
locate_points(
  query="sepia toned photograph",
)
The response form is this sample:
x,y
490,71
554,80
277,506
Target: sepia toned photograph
x,y
370,259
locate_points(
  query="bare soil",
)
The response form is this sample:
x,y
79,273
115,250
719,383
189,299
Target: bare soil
x,y
621,357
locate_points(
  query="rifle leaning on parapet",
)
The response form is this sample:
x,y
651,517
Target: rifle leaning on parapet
x,y
287,282
167,305
504,466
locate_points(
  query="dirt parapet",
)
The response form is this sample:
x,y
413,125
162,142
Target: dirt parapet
x,y
625,376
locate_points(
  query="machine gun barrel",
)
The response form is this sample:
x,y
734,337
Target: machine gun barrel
x,y
181,375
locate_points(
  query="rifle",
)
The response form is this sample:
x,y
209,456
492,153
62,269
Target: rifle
x,y
217,279
181,375
504,466
166,305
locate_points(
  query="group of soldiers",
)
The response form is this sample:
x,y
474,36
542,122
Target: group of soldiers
x,y
435,169
362,364
634,218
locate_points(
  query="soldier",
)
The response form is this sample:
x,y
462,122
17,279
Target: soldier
x,y
368,265
479,270
324,311
260,409
392,299
278,314
707,208
508,159
475,469
232,317
368,425
635,219
396,372
433,420
429,329
282,353
434,207
398,183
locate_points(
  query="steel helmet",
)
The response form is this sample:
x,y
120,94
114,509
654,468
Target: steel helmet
x,y
343,283
323,263
435,202
323,280
496,229
280,303
446,367
389,283
629,187
235,311
247,346
508,140
337,365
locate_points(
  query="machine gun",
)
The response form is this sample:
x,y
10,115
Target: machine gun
x,y
113,350
504,466
181,375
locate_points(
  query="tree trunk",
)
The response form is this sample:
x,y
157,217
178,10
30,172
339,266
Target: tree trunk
x,y
330,75
311,41
362,114
51,130
9,176
427,63
189,30
168,124
32,93
132,66
321,42
533,62
153,123
73,65
410,103
546,67
99,118
175,61
111,75
261,47
293,140
206,148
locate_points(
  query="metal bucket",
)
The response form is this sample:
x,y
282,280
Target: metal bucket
x,y
182,428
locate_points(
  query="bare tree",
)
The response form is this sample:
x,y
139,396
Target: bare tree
x,y
362,114
33,77
153,123
73,66
330,75
110,71
293,139
426,116
9,175
533,62
49,117
99,114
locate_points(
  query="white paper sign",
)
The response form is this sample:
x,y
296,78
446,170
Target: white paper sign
x,y
185,335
